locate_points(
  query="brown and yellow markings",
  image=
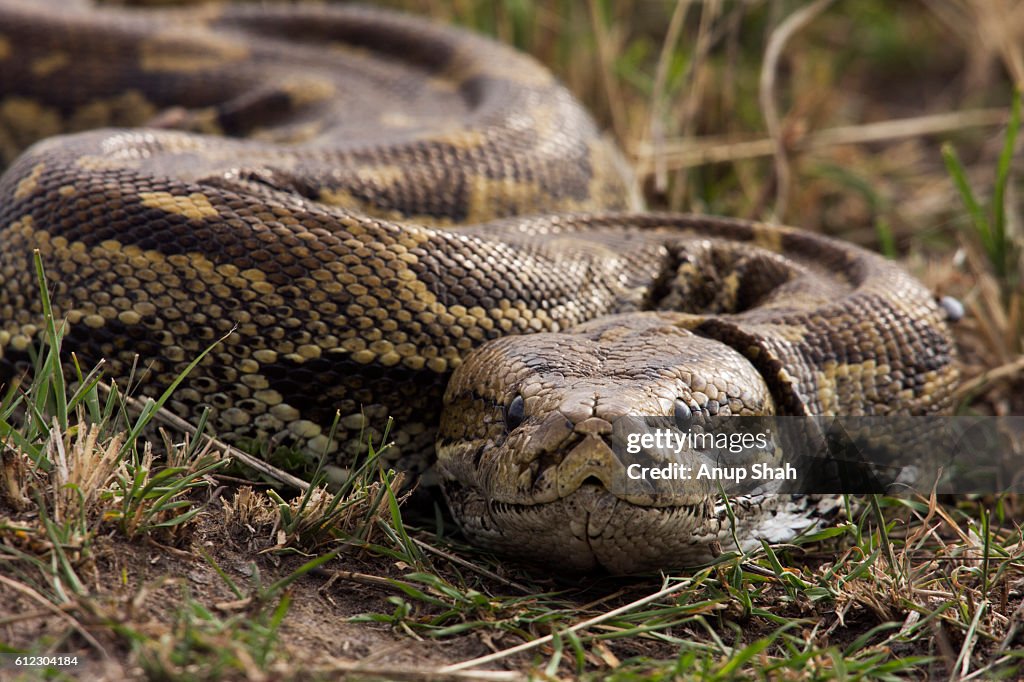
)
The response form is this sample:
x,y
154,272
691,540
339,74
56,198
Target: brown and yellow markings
x,y
493,198
457,138
309,91
386,297
295,134
381,176
358,53
25,228
45,66
153,277
5,47
793,333
839,382
767,237
101,162
465,64
27,185
342,198
23,121
613,177
129,108
397,119
195,206
21,328
184,144
198,49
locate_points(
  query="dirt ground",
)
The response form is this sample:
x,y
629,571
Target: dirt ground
x,y
141,584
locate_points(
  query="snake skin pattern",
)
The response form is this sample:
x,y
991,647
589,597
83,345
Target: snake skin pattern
x,y
394,218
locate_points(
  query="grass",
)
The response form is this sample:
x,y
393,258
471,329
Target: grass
x,y
75,471
897,128
989,223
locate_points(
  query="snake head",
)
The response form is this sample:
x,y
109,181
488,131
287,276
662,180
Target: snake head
x,y
526,446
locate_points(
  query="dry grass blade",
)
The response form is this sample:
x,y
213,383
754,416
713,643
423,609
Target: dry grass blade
x,y
590,622
978,384
362,671
606,51
963,661
769,105
84,469
459,561
676,154
657,124
697,74
57,611
168,418
993,27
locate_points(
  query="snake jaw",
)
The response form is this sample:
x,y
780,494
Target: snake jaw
x,y
591,529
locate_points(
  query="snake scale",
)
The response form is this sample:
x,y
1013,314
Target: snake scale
x,y
401,219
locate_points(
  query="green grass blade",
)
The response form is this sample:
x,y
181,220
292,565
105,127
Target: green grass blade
x,y
55,371
959,175
999,193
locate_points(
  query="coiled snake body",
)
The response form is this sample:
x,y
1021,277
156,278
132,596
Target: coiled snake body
x,y
370,201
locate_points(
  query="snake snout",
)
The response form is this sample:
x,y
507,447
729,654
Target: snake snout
x,y
593,426
583,453
566,454
591,460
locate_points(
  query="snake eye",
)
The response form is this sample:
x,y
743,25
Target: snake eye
x,y
515,413
682,414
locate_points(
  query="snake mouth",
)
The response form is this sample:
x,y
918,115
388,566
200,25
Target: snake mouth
x,y
589,487
591,529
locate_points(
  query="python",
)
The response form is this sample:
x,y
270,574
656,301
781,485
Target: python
x,y
396,219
